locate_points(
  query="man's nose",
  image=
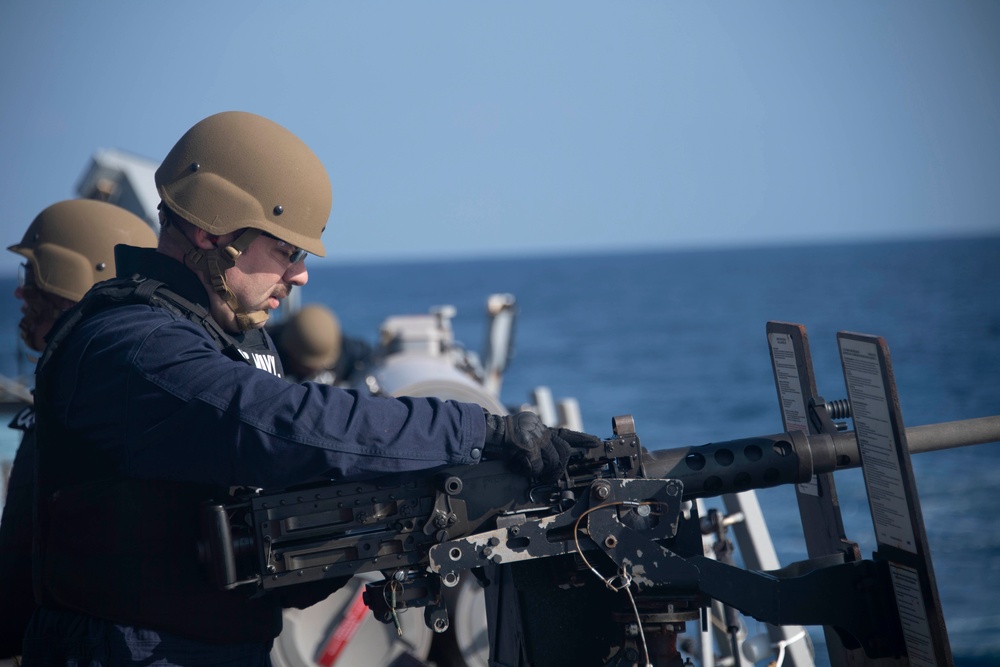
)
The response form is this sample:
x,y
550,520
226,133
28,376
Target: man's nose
x,y
297,274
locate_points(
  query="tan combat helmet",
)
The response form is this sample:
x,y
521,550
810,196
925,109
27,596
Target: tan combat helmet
x,y
311,338
70,245
236,170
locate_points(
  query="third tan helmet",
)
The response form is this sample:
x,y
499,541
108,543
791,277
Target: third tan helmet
x,y
311,338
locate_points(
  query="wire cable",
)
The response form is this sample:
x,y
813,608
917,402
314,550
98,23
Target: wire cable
x,y
624,577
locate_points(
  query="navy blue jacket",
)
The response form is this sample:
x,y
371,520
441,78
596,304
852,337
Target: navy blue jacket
x,y
157,400
159,396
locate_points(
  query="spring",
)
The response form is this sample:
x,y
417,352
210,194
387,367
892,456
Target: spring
x,y
839,409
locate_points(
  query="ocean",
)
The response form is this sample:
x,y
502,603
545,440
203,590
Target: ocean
x,y
677,339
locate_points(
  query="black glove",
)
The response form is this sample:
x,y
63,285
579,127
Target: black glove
x,y
531,447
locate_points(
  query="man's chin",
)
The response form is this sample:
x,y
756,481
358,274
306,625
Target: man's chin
x,y
229,320
263,322
30,335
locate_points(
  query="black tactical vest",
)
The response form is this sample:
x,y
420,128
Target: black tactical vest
x,y
125,550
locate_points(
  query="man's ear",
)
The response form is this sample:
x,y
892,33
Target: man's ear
x,y
205,240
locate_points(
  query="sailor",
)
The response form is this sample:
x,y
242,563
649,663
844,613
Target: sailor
x,y
312,346
67,248
162,390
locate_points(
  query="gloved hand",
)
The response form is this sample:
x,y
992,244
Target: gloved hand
x,y
530,446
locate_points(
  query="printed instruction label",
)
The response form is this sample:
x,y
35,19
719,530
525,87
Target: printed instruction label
x,y
912,615
793,405
873,426
786,371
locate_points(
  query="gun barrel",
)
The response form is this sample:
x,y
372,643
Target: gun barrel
x,y
948,435
789,458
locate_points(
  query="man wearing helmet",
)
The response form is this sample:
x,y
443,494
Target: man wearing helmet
x,y
313,347
67,248
161,390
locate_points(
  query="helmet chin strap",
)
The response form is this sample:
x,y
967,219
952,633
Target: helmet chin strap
x,y
213,264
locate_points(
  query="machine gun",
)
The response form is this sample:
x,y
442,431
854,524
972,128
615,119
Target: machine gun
x,y
621,513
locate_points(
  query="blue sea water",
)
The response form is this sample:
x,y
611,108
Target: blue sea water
x,y
677,339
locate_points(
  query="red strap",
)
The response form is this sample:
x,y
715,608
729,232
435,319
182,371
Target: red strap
x,y
343,632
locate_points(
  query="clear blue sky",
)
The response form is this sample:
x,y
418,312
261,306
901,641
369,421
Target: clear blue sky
x,y
453,128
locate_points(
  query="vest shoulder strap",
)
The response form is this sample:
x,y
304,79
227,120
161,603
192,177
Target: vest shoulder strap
x,y
136,290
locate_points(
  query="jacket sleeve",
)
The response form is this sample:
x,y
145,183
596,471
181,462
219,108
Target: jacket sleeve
x,y
155,394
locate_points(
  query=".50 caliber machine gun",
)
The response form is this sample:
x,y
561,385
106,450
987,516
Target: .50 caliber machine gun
x,y
606,565
632,505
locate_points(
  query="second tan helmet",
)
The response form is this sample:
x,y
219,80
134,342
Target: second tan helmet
x,y
236,170
70,245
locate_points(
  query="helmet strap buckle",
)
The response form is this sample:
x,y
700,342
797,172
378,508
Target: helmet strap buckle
x,y
240,244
